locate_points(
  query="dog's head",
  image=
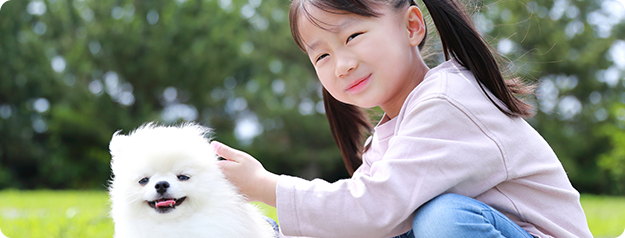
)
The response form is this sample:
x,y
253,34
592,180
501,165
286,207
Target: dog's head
x,y
165,170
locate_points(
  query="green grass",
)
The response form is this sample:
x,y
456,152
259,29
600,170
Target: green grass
x,y
606,215
55,214
26,214
38,214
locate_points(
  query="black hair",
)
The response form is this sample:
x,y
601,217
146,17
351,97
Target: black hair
x,y
460,40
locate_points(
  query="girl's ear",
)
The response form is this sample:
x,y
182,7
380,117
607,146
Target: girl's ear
x,y
415,25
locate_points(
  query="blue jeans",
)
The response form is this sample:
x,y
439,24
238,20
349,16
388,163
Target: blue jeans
x,y
274,226
453,215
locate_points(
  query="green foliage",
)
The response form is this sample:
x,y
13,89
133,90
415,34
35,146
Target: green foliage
x,y
72,72
569,52
614,160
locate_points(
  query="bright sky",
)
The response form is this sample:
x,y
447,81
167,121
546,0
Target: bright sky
x,y
2,2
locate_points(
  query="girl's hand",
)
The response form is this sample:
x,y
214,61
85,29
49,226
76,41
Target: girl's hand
x,y
249,175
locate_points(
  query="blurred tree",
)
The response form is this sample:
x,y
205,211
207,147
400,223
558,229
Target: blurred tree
x,y
72,72
573,52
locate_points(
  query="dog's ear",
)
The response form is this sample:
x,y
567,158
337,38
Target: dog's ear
x,y
118,143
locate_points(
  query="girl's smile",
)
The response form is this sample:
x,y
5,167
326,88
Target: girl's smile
x,y
358,85
452,160
366,61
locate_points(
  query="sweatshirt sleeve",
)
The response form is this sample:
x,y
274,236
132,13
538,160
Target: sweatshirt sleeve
x,y
438,147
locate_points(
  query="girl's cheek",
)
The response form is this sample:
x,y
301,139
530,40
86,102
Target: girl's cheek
x,y
322,75
327,84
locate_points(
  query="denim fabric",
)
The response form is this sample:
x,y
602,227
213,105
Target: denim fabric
x,y
453,215
274,225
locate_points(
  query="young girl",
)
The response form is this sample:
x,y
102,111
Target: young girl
x,y
451,157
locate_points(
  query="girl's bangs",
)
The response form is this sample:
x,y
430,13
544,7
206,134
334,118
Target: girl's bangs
x,y
300,7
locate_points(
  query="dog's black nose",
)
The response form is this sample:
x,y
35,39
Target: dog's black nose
x,y
161,187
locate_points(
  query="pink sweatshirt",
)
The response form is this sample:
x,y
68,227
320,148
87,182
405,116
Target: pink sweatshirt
x,y
447,138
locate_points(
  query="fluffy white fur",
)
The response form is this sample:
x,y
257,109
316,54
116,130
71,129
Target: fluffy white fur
x,y
212,207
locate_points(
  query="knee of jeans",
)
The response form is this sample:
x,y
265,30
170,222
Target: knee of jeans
x,y
439,214
437,208
274,226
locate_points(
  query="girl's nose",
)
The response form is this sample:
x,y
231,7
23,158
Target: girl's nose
x,y
345,65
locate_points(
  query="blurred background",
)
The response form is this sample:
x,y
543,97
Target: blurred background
x,y
72,72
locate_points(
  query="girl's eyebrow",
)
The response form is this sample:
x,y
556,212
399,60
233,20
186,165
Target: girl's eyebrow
x,y
314,45
346,22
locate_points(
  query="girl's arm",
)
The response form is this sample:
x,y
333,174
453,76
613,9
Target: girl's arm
x,y
373,203
249,175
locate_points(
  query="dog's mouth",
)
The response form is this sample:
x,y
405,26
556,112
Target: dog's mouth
x,y
165,205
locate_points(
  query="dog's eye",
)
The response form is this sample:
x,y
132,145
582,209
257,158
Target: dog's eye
x,y
144,181
183,177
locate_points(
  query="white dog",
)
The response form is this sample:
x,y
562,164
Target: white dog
x,y
166,184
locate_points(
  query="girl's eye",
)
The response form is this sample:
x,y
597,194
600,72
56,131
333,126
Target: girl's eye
x,y
144,181
321,57
183,177
352,36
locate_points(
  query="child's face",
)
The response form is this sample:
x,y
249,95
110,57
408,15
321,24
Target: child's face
x,y
363,61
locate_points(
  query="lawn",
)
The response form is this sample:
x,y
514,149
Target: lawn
x,y
26,214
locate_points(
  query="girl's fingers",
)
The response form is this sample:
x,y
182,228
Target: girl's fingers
x,y
227,152
226,165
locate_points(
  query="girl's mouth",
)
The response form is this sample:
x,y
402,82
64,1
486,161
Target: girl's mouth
x,y
358,85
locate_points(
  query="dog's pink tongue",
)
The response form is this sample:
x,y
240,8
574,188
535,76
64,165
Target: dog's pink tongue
x,y
166,203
